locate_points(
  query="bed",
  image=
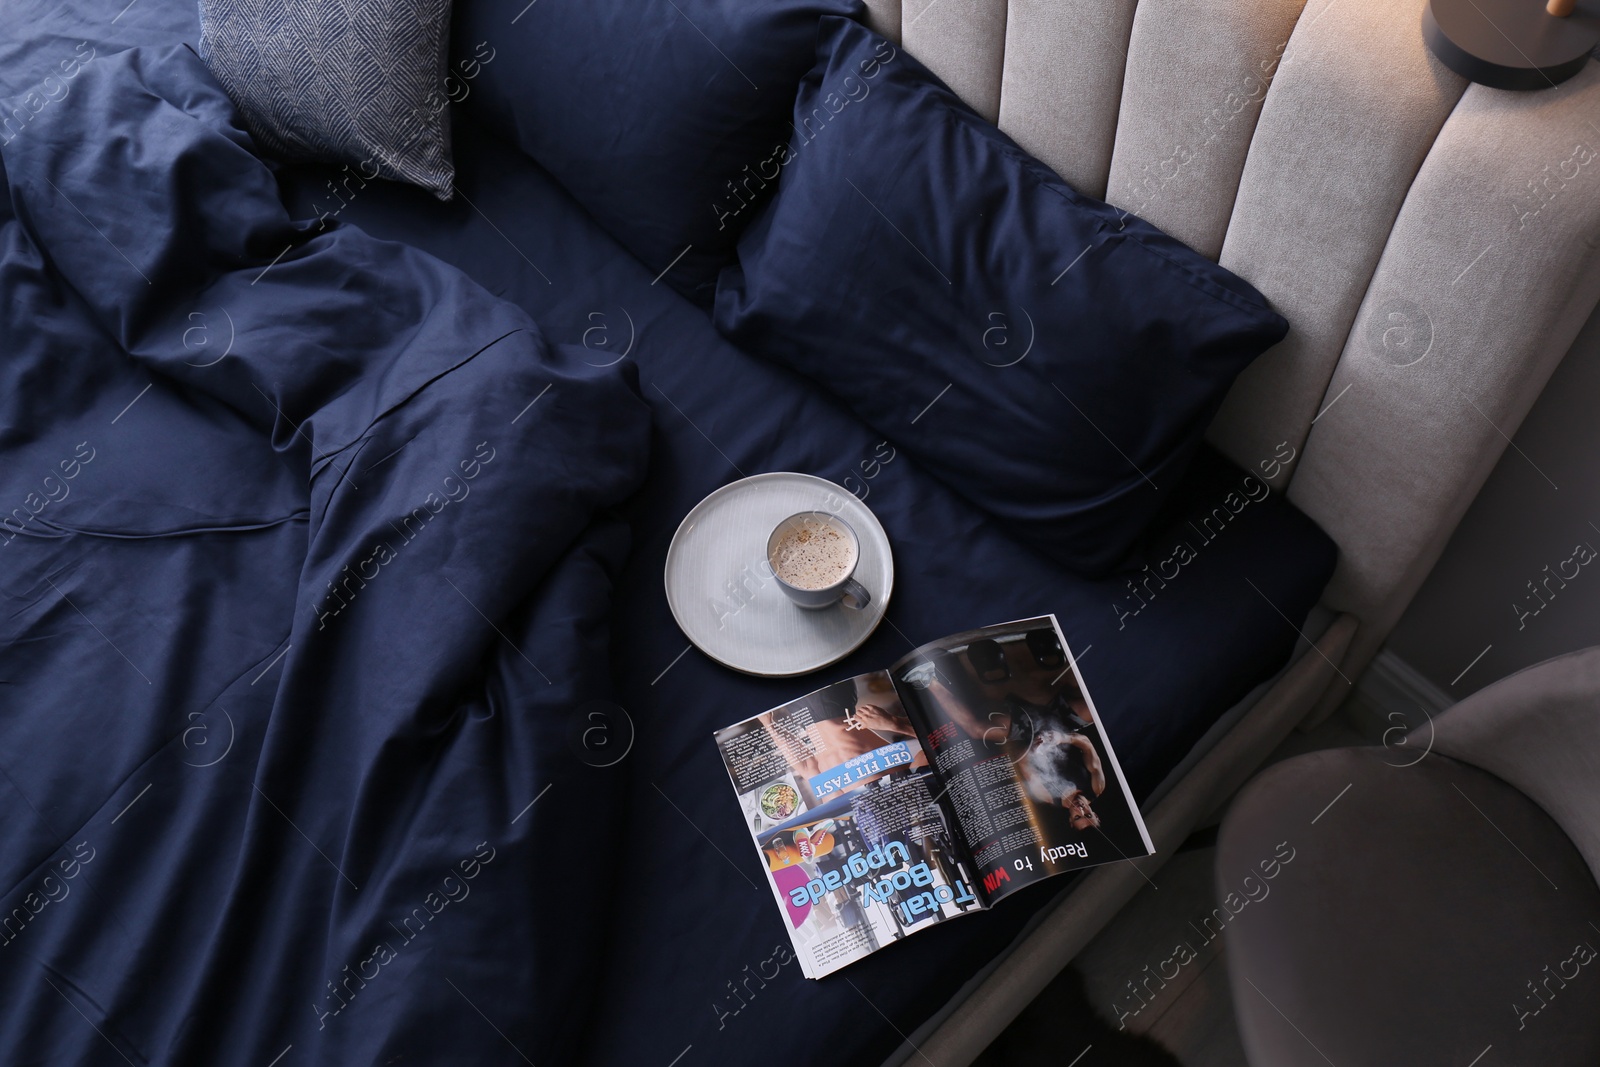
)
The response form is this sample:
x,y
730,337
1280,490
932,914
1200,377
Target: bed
x,y
387,837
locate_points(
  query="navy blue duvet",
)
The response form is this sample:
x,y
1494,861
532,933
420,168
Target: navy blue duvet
x,y
293,617
310,612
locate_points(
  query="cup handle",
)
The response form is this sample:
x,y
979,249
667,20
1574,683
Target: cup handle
x,y
855,595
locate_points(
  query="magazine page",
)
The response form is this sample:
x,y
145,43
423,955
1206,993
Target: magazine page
x,y
1032,781
840,802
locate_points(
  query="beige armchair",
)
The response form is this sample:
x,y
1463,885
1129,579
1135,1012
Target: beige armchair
x,y
1441,904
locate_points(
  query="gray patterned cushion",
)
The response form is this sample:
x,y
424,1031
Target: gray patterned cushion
x,y
359,82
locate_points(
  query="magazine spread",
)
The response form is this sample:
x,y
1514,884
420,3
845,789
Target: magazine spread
x,y
893,801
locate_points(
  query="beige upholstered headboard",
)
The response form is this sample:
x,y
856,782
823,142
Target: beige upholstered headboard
x,y
1435,246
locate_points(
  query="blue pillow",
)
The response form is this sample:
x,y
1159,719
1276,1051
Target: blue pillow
x,y
654,114
1051,358
360,84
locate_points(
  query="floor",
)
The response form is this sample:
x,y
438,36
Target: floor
x,y
1128,1015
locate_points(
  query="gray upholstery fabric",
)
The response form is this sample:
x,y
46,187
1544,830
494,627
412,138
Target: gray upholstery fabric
x,y
963,42
1062,84
1406,927
360,84
1539,730
884,16
1486,279
1196,78
1352,112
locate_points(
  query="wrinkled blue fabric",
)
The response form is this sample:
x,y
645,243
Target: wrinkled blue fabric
x,y
299,594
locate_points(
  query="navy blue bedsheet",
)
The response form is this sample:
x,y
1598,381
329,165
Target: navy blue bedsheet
x,y
693,927
623,918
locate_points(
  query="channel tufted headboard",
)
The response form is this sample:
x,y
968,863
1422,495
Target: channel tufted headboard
x,y
1434,245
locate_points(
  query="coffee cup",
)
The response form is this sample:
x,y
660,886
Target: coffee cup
x,y
813,556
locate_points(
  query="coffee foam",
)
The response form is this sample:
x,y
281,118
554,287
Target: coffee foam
x,y
814,555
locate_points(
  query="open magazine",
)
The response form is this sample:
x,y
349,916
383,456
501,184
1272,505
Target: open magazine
x,y
892,801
